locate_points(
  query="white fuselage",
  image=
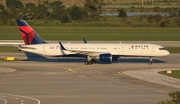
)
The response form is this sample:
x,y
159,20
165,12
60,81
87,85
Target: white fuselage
x,y
113,49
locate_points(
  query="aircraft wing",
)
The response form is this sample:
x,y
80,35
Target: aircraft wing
x,y
88,53
94,54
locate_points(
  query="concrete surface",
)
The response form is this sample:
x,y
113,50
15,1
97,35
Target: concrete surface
x,y
69,81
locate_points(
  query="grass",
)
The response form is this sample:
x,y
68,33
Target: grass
x,y
95,33
175,73
173,49
8,49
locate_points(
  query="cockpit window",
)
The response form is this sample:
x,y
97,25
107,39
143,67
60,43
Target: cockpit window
x,y
162,49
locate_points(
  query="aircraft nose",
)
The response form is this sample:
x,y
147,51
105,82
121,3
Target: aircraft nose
x,y
167,52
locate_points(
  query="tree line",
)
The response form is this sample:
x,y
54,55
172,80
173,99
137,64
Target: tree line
x,y
55,13
46,10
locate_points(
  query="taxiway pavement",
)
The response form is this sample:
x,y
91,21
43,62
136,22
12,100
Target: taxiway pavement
x,y
69,81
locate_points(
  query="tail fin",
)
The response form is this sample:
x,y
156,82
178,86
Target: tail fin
x,y
28,34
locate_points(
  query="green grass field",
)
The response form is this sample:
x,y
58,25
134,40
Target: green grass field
x,y
95,33
8,49
175,73
173,49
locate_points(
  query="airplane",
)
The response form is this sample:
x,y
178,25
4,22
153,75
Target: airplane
x,y
103,52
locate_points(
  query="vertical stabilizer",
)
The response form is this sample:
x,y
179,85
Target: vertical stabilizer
x,y
28,34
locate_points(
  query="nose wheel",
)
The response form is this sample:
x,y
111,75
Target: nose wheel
x,y
150,61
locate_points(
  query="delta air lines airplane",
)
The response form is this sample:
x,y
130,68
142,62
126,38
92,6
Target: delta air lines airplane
x,y
92,51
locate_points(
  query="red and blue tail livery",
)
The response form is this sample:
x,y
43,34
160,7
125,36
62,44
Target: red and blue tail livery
x,y
28,34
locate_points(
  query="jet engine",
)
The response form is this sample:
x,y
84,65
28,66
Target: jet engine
x,y
107,58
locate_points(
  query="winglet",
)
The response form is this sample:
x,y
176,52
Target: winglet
x,y
84,40
62,47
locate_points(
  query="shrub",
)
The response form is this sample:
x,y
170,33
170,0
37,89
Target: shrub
x,y
77,13
65,18
153,19
122,13
157,9
175,98
165,22
177,21
178,14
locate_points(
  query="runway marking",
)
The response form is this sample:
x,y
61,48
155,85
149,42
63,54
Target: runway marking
x,y
7,70
75,69
70,70
14,70
5,101
67,68
21,97
120,72
22,101
26,64
16,98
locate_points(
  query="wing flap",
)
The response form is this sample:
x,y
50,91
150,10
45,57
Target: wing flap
x,y
82,52
88,53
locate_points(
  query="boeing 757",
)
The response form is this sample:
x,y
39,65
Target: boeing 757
x,y
92,51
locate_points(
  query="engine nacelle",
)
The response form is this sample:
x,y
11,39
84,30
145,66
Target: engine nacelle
x,y
107,58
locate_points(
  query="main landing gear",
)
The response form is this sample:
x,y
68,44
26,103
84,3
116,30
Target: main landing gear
x,y
150,61
90,62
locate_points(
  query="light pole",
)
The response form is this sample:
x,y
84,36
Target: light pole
x,y
142,3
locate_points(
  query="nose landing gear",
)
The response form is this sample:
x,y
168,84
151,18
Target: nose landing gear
x,y
150,61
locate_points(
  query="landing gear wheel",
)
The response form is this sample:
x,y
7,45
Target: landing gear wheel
x,y
88,63
150,61
94,62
